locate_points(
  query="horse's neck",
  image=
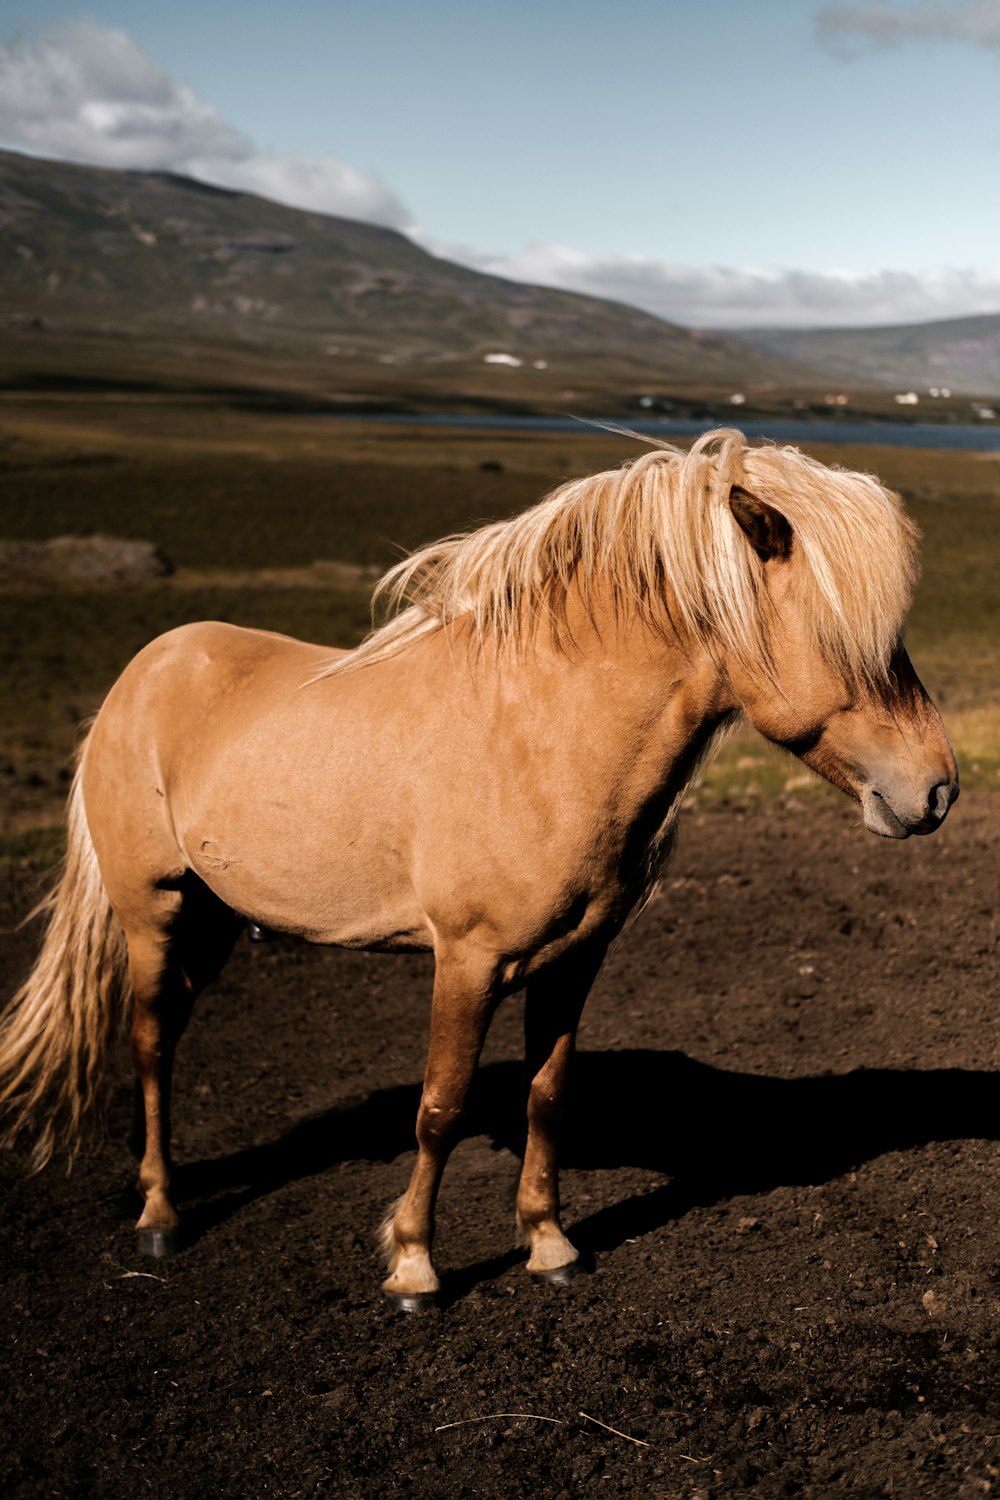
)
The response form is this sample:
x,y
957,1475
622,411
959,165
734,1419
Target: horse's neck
x,y
643,703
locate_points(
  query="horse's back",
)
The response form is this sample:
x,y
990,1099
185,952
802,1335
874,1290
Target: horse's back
x,y
216,650
177,678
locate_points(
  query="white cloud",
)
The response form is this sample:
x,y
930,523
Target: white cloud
x,y
733,297
324,182
849,28
90,93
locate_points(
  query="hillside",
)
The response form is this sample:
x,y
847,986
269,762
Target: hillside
x,y
88,252
961,353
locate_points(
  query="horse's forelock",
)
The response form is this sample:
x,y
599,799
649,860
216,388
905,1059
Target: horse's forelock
x,y
859,547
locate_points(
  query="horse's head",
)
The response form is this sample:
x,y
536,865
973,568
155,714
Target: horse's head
x,y
868,727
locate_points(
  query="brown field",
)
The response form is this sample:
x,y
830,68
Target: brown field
x,y
781,1160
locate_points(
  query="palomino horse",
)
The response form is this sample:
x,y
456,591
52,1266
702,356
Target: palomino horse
x,y
493,776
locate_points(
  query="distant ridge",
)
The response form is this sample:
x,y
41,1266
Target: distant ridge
x,y
960,353
151,255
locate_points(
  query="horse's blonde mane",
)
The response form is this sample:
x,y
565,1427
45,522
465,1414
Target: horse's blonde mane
x,y
659,538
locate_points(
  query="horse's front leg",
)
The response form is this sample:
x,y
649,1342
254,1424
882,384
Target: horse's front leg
x,y
553,1004
461,1011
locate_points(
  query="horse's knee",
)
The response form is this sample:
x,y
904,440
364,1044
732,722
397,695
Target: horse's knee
x,y
437,1124
546,1104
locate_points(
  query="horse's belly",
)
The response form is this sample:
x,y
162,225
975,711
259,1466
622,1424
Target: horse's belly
x,y
315,886
355,916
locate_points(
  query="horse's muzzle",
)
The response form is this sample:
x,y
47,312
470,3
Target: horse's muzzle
x,y
888,818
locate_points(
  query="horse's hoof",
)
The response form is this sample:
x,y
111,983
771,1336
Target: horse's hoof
x,y
559,1275
159,1243
412,1302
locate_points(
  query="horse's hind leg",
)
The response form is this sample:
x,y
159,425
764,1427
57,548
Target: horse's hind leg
x,y
553,1003
463,1006
170,962
161,1008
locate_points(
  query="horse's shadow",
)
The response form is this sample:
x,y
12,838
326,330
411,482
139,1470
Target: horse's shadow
x,y
716,1134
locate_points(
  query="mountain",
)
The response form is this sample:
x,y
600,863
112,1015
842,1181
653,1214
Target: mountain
x,y
961,353
119,256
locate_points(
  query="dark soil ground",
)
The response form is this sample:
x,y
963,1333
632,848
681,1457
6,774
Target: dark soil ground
x,y
782,1166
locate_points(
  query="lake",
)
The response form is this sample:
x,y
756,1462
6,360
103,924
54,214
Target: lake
x,y
959,438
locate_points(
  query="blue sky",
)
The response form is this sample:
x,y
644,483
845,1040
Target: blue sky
x,y
726,163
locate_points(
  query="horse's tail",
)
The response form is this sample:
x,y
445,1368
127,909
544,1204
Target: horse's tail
x,y
56,1034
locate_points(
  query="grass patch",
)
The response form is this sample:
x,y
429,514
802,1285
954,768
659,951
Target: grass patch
x,y
34,848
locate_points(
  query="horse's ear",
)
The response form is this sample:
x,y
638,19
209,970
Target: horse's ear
x,y
766,529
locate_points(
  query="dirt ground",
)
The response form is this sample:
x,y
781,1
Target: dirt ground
x,y
781,1167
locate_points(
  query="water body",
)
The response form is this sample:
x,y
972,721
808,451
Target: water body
x,y
952,436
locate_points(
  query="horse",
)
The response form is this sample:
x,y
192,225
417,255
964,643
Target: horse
x,y
493,775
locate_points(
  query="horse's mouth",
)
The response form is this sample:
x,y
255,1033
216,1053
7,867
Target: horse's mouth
x,y
880,818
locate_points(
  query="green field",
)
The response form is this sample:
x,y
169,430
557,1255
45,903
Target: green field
x,y
249,505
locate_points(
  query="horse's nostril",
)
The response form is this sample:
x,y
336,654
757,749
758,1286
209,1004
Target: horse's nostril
x,y
941,797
